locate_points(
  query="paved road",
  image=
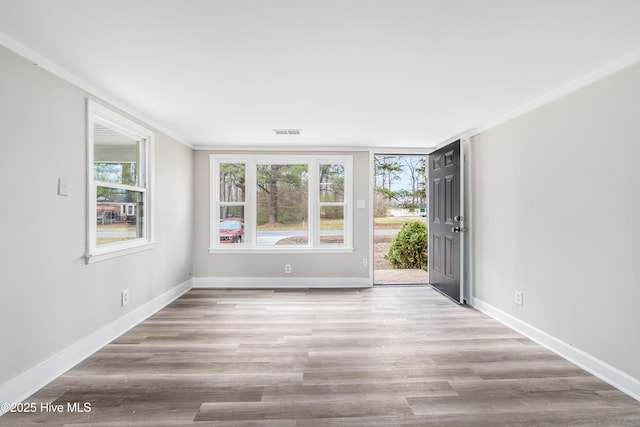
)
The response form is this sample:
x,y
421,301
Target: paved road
x,y
120,234
270,238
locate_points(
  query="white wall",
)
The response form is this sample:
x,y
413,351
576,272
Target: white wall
x,y
49,298
271,266
555,211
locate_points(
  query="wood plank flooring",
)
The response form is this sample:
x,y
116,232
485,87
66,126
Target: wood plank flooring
x,y
387,356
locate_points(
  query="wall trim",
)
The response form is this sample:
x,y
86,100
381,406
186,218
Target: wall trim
x,y
609,374
280,282
20,388
274,147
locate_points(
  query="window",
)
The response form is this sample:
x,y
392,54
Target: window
x,y
282,204
119,196
332,203
275,204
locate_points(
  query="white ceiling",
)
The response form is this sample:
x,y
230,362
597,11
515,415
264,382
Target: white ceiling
x,y
370,73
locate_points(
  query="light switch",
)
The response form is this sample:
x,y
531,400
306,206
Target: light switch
x,y
63,187
361,204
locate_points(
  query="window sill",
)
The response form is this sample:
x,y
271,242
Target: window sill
x,y
103,254
287,250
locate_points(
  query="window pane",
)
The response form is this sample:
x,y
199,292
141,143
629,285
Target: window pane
x,y
232,212
115,155
282,205
231,227
331,225
332,183
119,215
232,182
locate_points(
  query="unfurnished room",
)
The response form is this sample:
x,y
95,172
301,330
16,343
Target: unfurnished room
x,y
320,213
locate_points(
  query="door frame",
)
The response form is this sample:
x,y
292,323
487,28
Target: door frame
x,y
372,170
466,254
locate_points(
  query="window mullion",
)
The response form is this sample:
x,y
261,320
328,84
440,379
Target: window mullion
x,y
250,200
314,208
348,202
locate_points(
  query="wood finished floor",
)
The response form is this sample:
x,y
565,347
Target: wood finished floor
x,y
387,356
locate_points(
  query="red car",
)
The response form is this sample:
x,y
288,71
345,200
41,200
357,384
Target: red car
x,y
231,230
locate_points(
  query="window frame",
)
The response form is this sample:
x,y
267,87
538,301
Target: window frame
x,y
322,204
250,204
97,113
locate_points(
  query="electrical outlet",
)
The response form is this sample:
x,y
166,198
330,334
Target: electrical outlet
x,y
518,297
124,297
287,268
365,262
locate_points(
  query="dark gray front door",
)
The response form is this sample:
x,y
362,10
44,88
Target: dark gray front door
x,y
445,221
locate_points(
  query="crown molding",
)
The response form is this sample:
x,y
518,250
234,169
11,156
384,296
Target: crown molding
x,y
61,72
564,90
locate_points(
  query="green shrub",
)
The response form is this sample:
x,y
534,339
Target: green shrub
x,y
409,248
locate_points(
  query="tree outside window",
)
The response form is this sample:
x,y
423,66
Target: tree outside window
x,y
297,203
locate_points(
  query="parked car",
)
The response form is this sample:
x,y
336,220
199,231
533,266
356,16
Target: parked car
x,y
231,230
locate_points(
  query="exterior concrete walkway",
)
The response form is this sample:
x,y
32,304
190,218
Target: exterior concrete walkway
x,y
409,276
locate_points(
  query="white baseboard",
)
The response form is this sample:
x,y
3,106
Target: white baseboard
x,y
280,282
615,377
35,378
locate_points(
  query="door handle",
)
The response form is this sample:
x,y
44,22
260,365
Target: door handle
x,y
457,229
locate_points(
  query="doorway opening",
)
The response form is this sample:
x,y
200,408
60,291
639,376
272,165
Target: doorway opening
x,y
400,235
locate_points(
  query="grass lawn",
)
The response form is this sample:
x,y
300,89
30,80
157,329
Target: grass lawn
x,y
325,224
303,240
116,226
119,227
106,240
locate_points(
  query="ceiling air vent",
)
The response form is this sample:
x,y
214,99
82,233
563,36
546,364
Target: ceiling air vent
x,y
288,131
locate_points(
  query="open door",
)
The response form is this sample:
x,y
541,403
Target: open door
x,y
400,198
445,221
